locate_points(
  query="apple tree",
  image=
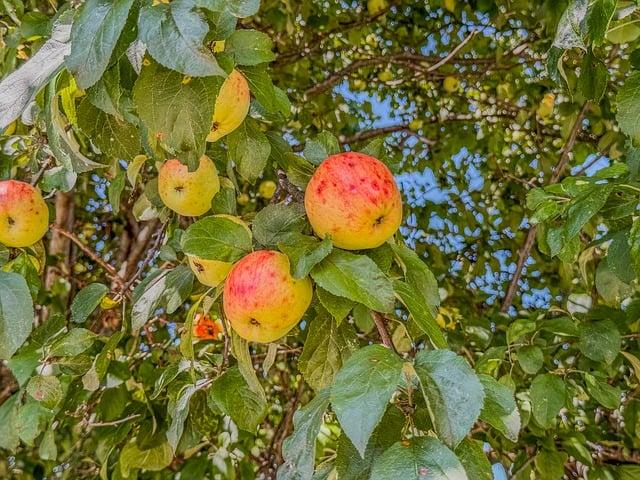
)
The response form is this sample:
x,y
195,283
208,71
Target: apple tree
x,y
319,240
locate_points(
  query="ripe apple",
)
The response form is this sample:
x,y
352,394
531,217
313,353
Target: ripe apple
x,y
213,272
354,199
451,84
262,300
188,193
24,216
232,106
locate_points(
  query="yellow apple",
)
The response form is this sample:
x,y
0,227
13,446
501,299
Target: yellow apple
x,y
267,188
374,7
545,109
243,199
232,106
353,198
24,216
451,84
262,300
450,5
188,193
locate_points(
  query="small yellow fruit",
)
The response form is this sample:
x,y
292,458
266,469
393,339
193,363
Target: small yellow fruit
x,y
262,300
24,216
267,188
374,7
232,106
359,85
243,199
218,46
385,76
450,5
188,193
545,109
416,124
451,84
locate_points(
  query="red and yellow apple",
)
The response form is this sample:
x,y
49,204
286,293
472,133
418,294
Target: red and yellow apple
x,y
24,216
354,199
262,300
188,193
232,106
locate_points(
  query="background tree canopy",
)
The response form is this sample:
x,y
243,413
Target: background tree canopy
x,y
497,331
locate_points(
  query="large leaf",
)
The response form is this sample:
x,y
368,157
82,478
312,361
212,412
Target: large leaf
x,y
299,450
304,252
249,149
178,410
356,277
362,389
421,313
572,26
231,394
154,459
250,47
599,18
417,274
628,114
474,460
500,410
20,87
326,348
279,223
177,111
217,238
16,313
93,38
600,341
548,395
418,459
452,391
174,34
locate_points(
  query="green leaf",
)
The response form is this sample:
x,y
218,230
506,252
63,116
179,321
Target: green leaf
x,y
178,410
550,464
572,26
623,31
48,450
548,396
418,459
600,341
9,422
76,341
16,313
422,314
619,259
86,301
628,472
628,100
599,18
249,148
500,410
116,187
530,358
217,238
114,137
45,389
174,35
304,252
475,462
317,150
453,392
176,111
326,348
356,277
606,395
338,307
634,246
154,459
243,8
417,274
593,79
362,389
299,449
94,35
274,102
232,394
250,47
279,223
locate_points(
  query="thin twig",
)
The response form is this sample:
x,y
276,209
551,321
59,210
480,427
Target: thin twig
x,y
227,342
114,422
150,255
453,52
381,325
38,175
531,234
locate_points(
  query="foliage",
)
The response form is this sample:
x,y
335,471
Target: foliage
x,y
503,318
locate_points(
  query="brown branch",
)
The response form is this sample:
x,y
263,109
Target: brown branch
x,y
453,52
524,252
111,271
157,243
381,325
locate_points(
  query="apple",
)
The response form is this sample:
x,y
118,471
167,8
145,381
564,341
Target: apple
x,y
374,7
262,300
267,189
451,84
545,108
353,198
188,193
450,5
24,216
232,106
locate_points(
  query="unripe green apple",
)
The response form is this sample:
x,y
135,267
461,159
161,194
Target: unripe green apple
x,y
354,199
267,189
24,216
188,193
262,300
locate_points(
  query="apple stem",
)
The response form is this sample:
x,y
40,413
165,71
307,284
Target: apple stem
x,y
381,325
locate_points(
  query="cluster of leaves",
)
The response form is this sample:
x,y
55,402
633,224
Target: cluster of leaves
x,y
111,384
